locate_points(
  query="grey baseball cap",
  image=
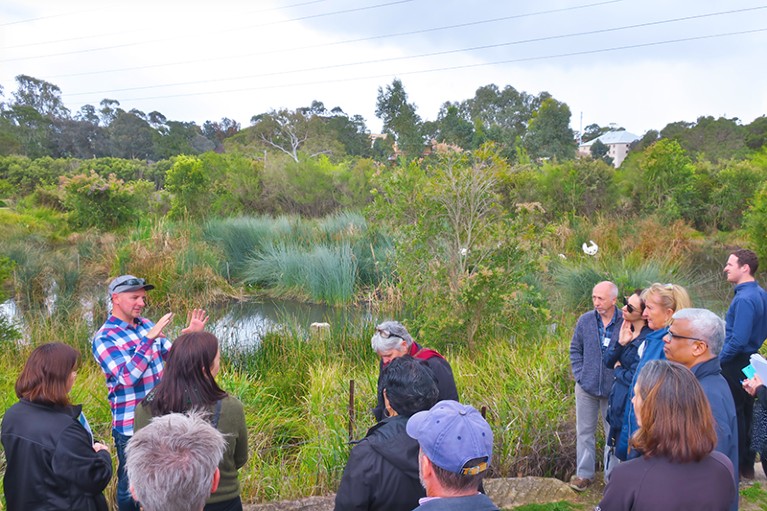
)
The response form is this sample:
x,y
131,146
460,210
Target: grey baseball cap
x,y
125,283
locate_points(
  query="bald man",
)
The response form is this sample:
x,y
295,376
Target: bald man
x,y
593,380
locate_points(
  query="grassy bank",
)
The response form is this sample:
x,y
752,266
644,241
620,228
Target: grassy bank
x,y
296,392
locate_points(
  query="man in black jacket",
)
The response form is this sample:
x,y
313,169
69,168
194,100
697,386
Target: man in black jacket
x,y
382,472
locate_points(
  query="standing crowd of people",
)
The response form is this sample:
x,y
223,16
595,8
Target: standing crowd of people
x,y
624,362
665,379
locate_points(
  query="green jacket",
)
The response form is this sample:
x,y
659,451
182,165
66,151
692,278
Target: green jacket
x,y
232,424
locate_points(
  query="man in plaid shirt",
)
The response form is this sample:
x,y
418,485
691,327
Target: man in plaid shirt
x,y
130,350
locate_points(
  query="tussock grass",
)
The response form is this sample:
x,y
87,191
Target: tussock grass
x,y
326,261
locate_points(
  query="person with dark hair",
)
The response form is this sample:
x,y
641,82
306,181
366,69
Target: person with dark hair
x,y
382,471
746,330
189,383
679,468
130,350
392,340
52,461
456,446
622,356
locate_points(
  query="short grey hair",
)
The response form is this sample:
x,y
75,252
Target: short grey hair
x,y
170,463
398,333
705,325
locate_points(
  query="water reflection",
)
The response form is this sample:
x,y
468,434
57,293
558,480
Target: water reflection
x,y
242,325
238,325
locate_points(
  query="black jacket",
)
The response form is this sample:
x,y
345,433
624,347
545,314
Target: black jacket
x,y
51,464
382,471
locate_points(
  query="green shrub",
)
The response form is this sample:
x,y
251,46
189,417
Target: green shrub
x,y
104,203
190,186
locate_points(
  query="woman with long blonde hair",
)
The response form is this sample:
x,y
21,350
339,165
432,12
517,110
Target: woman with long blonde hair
x,y
661,302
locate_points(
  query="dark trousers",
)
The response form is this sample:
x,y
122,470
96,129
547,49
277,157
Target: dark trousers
x,y
234,504
744,407
125,501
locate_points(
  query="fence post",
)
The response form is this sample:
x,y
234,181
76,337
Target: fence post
x,y
351,410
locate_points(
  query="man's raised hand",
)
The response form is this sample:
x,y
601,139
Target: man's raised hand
x,y
196,320
158,327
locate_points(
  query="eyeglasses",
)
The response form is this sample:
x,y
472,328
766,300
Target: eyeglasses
x,y
131,282
386,334
671,335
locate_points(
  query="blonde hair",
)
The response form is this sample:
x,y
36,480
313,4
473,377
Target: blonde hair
x,y
670,296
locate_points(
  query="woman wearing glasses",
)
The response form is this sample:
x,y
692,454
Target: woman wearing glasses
x,y
661,302
622,355
679,468
392,340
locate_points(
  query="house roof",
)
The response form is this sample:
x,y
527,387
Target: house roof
x,y
613,137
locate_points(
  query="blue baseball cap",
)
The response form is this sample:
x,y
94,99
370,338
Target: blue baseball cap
x,y
451,435
126,283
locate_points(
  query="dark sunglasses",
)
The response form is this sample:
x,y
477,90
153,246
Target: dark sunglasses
x,y
630,308
131,283
386,334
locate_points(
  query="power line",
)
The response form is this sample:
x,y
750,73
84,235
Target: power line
x,y
30,20
455,68
175,38
338,43
422,55
70,39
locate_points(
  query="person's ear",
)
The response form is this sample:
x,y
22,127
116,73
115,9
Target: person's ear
x,y
404,346
424,467
133,493
216,480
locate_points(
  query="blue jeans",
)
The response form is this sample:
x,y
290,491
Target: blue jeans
x,y
125,501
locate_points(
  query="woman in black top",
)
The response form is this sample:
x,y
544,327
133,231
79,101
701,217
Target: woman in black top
x,y
52,461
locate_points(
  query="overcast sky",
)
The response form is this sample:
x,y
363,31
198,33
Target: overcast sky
x,y
637,63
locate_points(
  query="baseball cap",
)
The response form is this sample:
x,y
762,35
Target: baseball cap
x,y
452,434
125,283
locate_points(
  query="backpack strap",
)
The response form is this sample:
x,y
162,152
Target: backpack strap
x,y
217,413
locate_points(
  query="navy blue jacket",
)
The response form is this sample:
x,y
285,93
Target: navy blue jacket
x,y
717,390
586,354
653,351
745,322
628,356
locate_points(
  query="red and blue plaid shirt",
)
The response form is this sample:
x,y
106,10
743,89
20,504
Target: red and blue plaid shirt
x,y
131,363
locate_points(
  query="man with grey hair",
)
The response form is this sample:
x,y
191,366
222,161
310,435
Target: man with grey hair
x,y
172,463
593,380
392,340
695,339
456,447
